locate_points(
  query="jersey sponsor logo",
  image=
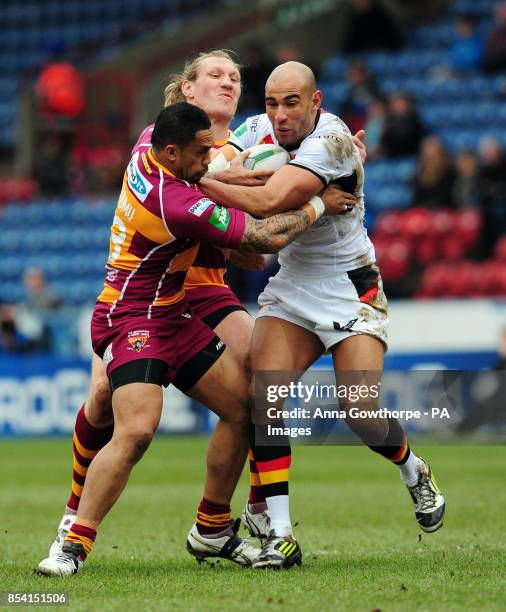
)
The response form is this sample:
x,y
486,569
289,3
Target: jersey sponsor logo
x,y
220,218
254,123
201,206
108,356
219,345
137,340
137,183
241,130
347,327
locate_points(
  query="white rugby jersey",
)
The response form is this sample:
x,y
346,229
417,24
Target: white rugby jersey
x,y
333,244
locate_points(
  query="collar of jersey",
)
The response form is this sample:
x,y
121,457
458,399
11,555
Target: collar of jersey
x,y
153,161
221,143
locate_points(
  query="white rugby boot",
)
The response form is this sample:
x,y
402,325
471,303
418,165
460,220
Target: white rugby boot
x,y
67,563
63,528
230,547
258,524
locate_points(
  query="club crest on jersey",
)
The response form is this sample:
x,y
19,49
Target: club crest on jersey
x,y
201,206
220,218
111,274
137,339
139,185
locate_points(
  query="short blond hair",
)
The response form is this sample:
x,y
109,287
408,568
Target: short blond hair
x,y
173,92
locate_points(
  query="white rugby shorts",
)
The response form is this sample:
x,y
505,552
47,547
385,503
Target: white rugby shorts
x,y
333,308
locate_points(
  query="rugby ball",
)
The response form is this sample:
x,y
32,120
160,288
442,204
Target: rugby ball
x,y
266,157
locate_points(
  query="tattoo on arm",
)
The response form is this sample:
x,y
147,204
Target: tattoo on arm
x,y
272,234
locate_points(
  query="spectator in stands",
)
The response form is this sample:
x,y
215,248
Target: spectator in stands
x,y
492,181
371,28
257,67
39,297
34,315
374,126
60,92
495,46
403,129
51,167
11,339
468,45
363,89
435,176
466,190
288,51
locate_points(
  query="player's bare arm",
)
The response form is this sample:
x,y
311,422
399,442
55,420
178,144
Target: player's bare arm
x,y
287,188
273,234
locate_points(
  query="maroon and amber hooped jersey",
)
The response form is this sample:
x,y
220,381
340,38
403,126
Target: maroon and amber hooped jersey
x,y
210,265
158,224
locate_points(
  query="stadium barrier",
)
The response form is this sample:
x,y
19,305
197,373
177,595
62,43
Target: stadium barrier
x,y
40,395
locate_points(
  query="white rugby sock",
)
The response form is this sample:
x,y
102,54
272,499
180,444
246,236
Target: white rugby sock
x,y
409,470
279,511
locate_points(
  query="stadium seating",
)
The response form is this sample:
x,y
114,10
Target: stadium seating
x,y
30,28
67,239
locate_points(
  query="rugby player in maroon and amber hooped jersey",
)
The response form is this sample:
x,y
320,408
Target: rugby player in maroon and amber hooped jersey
x,y
328,294
212,82
147,337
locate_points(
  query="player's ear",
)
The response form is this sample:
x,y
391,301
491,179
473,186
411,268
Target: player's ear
x,y
171,151
317,99
187,89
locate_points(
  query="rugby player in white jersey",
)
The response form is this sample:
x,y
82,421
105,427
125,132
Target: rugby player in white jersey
x,y
328,294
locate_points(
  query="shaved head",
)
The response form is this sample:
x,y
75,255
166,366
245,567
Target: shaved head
x,y
292,74
292,102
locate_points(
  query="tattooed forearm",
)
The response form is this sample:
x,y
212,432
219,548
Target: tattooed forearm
x,y
272,234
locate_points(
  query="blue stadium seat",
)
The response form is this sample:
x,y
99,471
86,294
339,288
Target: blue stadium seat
x,y
383,198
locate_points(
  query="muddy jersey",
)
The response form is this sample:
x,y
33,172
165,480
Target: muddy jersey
x,y
210,265
158,224
333,244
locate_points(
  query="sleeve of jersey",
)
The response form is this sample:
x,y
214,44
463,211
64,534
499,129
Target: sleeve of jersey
x,y
202,219
321,156
244,137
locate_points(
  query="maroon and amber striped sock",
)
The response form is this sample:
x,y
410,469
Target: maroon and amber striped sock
x,y
88,440
395,446
256,494
213,518
79,534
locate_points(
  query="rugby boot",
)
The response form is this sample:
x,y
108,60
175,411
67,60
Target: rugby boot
x,y
278,552
428,500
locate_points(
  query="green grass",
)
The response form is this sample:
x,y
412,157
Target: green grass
x,y
355,523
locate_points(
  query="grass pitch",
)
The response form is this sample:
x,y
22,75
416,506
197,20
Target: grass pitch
x,y
362,549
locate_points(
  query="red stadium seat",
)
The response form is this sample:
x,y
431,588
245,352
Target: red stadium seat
x,y
395,260
434,281
468,226
443,222
15,189
416,223
500,249
426,249
387,224
452,248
